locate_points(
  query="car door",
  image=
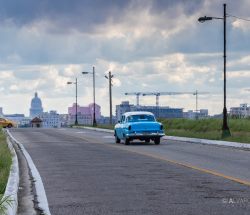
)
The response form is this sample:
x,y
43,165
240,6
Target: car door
x,y
120,128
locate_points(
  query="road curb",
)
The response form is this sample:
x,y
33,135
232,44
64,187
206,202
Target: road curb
x,y
189,140
209,142
11,189
40,191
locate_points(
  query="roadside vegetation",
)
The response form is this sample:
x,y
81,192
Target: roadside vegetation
x,y
5,163
208,129
203,128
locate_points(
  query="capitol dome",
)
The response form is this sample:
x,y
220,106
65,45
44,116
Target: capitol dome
x,y
36,106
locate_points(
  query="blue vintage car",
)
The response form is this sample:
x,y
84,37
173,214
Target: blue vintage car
x,y
139,125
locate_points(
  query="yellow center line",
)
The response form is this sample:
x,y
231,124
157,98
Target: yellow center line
x,y
127,148
195,168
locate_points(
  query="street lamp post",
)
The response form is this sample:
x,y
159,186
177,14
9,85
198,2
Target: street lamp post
x,y
225,128
69,82
94,117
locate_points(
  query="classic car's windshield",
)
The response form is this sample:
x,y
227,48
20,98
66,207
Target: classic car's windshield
x,y
139,118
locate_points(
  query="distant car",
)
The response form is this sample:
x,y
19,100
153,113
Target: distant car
x,y
5,123
139,125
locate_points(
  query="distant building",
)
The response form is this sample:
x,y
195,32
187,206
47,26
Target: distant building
x,y
84,114
36,106
25,122
64,118
159,112
240,112
50,119
15,117
1,111
201,114
123,108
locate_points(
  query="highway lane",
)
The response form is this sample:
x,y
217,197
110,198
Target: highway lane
x,y
228,161
84,172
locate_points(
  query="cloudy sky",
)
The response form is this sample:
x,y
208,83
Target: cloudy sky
x,y
149,45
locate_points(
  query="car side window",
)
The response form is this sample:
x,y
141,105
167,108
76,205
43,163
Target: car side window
x,y
122,120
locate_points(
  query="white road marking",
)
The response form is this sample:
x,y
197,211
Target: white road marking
x,y
107,137
40,191
81,132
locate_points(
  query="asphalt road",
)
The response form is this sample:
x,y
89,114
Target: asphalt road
x,y
84,172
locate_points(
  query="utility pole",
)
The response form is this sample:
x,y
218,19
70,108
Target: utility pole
x,y
76,121
196,104
110,76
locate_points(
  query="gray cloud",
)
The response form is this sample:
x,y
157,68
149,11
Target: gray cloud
x,y
63,13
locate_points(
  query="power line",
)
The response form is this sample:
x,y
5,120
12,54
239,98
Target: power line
x,y
229,15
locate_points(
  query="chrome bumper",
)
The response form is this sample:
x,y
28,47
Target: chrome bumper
x,y
145,135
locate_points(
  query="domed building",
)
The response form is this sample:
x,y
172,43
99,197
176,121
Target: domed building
x,y
36,106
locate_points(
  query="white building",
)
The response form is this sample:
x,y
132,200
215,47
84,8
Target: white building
x,y
241,112
50,119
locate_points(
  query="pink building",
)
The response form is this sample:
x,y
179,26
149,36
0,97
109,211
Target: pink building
x,y
84,114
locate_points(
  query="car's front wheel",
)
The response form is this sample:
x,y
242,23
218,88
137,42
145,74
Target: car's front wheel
x,y
157,140
9,125
117,140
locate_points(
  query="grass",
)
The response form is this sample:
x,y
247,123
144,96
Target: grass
x,y
5,163
208,129
204,129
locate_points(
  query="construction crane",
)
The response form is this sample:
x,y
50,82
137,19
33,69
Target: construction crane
x,y
196,98
137,96
158,94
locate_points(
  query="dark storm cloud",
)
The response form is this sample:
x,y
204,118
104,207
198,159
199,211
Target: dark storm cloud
x,y
83,15
67,13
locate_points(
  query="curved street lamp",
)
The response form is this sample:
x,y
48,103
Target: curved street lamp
x,y
94,117
70,82
84,73
225,128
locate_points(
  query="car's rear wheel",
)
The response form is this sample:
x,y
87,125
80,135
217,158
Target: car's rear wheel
x,y
147,140
117,140
127,141
157,140
9,125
